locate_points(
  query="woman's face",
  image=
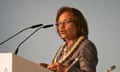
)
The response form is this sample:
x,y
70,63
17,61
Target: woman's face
x,y
66,26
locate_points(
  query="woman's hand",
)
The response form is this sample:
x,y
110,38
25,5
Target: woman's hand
x,y
56,67
43,65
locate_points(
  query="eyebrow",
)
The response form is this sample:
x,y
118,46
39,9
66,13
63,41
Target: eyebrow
x,y
65,20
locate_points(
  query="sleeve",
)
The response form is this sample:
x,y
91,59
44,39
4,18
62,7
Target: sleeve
x,y
88,57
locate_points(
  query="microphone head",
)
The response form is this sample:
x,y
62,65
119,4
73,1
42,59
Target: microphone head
x,y
37,25
111,68
47,26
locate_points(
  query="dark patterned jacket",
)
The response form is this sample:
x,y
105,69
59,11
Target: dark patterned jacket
x,y
88,59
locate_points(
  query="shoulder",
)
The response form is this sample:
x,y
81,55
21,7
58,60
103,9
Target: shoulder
x,y
88,55
87,45
87,42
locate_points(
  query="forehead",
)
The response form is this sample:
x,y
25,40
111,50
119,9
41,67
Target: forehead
x,y
65,15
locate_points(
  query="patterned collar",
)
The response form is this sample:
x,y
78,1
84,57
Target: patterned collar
x,y
72,49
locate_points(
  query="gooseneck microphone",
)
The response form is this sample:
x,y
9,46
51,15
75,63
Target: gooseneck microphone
x,y
35,26
44,26
111,68
31,27
47,26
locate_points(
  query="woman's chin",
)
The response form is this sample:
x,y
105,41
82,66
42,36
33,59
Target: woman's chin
x,y
63,36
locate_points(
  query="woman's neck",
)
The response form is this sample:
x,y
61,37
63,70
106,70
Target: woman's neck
x,y
69,43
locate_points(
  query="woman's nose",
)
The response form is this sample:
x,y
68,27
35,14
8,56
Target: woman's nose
x,y
62,26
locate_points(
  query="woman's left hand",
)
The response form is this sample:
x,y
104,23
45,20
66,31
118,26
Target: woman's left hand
x,y
57,67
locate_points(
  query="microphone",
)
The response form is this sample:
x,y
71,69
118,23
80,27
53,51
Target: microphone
x,y
111,68
31,27
37,25
45,26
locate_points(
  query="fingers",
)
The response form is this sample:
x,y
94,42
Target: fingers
x,y
53,67
43,64
56,67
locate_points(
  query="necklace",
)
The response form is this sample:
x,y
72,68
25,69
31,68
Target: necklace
x,y
70,52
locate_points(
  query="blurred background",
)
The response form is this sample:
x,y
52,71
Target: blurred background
x,y
103,20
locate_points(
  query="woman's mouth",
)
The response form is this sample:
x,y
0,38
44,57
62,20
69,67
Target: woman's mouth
x,y
62,32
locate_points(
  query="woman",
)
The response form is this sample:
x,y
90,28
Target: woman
x,y
77,54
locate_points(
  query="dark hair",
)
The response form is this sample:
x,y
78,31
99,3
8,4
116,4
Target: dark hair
x,y
80,20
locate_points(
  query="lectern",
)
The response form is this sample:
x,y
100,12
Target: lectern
x,y
12,63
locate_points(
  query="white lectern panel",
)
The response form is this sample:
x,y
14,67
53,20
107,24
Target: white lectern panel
x,y
13,63
5,62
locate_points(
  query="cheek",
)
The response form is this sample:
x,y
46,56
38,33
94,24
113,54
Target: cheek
x,y
72,30
58,30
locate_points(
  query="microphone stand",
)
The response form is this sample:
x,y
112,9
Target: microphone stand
x,y
31,27
16,51
46,26
14,35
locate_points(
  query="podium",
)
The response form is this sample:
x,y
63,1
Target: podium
x,y
13,63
